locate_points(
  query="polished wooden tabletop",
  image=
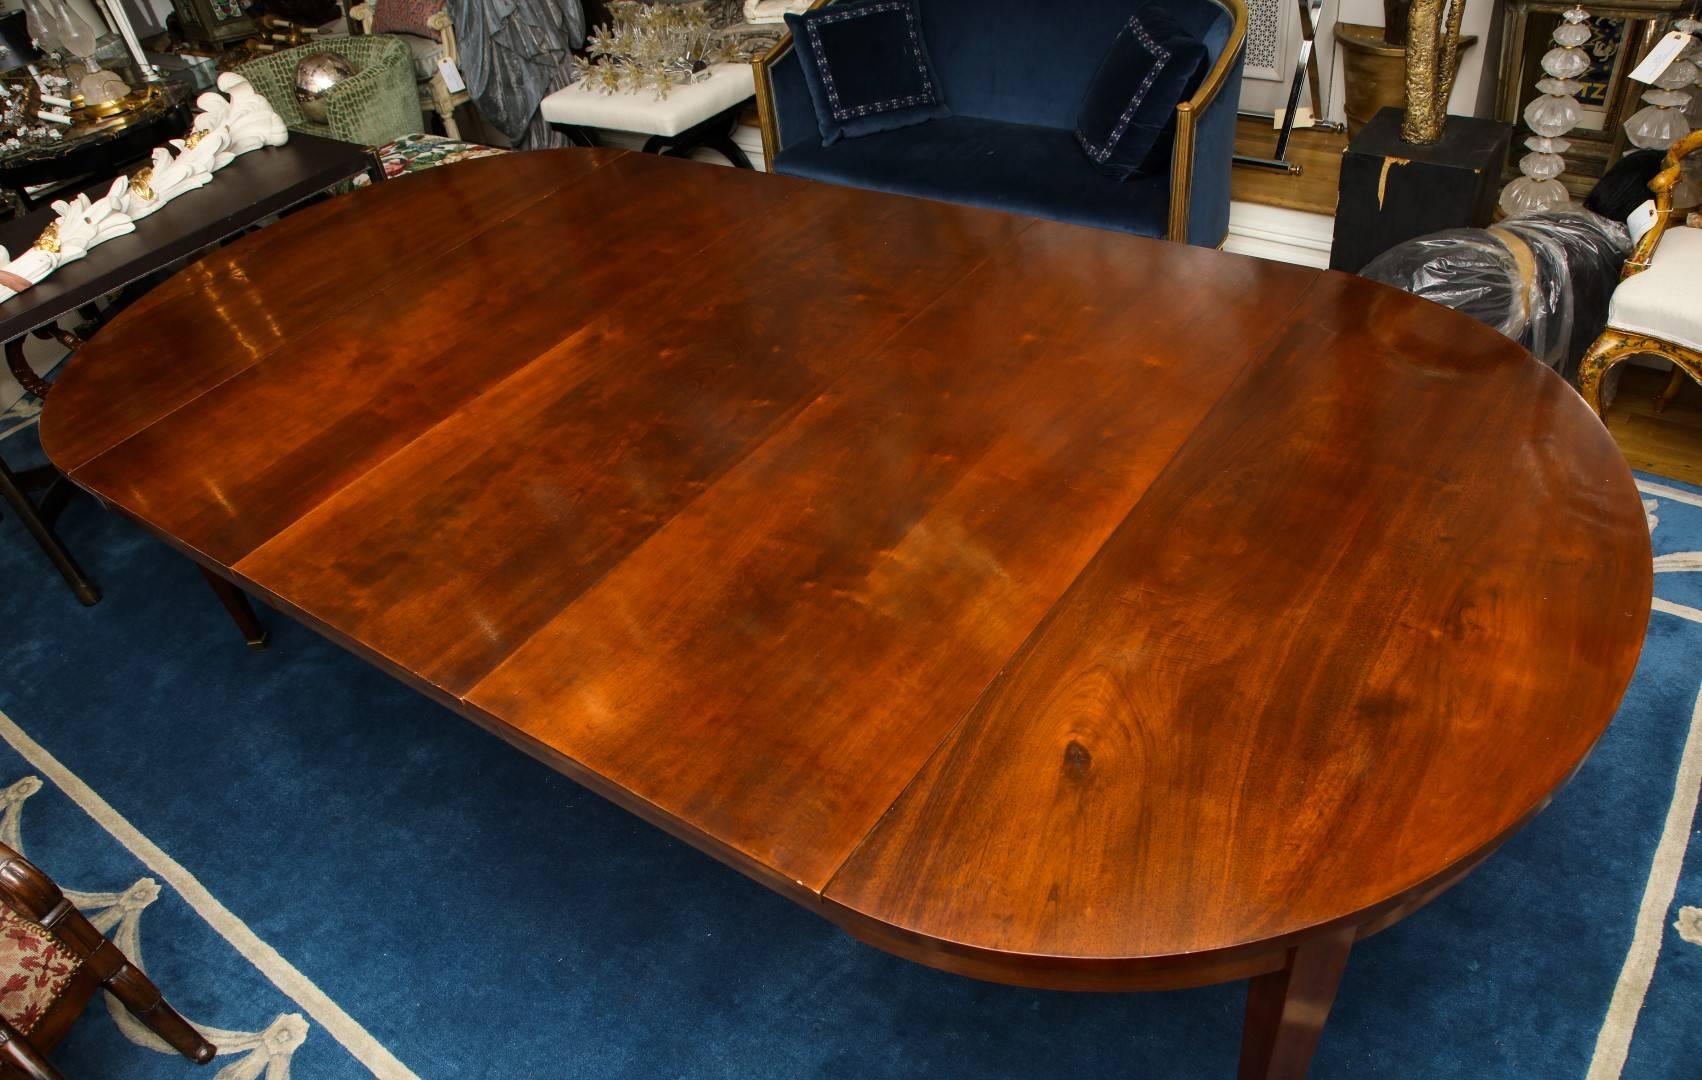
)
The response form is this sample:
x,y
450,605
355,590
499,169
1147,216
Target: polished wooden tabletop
x,y
1042,603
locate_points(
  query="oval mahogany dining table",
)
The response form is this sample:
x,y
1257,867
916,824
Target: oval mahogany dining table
x,y
1039,603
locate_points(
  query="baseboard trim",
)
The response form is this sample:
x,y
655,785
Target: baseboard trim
x,y
1273,232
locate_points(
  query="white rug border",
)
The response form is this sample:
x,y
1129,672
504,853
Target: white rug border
x,y
1613,1041
1683,611
284,975
1649,487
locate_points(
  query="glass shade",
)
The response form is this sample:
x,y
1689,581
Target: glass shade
x,y
1551,115
57,25
1542,166
1655,128
1678,75
1526,196
1566,63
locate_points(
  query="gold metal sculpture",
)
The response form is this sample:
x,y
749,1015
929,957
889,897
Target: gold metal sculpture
x,y
1433,60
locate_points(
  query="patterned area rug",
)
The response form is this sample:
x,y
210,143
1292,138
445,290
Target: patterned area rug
x,y
336,878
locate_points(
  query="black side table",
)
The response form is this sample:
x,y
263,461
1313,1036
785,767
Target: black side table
x,y
1392,191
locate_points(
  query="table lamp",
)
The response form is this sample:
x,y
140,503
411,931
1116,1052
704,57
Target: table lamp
x,y
58,25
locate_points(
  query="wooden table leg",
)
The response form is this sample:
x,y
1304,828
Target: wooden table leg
x,y
236,602
1674,384
56,552
1286,1009
21,370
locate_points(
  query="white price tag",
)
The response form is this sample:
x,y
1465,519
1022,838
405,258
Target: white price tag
x,y
1664,52
451,76
1641,220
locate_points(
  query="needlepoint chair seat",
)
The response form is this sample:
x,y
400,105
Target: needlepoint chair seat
x,y
36,969
52,963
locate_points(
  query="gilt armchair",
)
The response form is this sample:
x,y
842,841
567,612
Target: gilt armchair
x,y
376,105
430,42
52,961
1657,308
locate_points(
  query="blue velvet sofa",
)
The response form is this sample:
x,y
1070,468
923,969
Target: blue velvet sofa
x,y
1014,73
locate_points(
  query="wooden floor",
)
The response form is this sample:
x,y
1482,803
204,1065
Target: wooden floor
x,y
1668,444
1318,153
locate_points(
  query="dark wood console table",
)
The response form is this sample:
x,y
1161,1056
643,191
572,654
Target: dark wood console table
x,y
244,193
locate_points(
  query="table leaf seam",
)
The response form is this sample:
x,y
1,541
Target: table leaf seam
x,y
1256,358
359,297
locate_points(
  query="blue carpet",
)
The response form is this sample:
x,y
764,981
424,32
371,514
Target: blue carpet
x,y
351,876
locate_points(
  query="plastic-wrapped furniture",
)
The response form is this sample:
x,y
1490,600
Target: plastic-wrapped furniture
x,y
1014,73
430,44
1541,279
1655,309
52,961
376,105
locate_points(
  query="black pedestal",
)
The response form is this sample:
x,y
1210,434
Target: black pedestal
x,y
1393,191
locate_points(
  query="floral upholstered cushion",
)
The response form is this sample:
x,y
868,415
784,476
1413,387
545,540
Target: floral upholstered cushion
x,y
405,17
412,153
35,968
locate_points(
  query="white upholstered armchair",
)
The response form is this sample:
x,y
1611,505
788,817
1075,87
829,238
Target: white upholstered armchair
x,y
1657,308
431,39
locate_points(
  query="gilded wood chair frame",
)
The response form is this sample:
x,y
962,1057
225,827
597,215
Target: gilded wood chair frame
x,y
1614,346
1187,112
33,895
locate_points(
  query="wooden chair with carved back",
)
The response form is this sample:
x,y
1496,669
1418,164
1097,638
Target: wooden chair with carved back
x,y
1657,308
52,961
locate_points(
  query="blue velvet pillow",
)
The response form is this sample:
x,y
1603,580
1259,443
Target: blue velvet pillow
x,y
1127,120
866,67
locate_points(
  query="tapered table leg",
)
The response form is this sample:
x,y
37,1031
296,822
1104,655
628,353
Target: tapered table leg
x,y
21,505
236,602
1286,1009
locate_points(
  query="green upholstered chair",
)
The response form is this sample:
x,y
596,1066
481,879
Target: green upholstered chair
x,y
377,105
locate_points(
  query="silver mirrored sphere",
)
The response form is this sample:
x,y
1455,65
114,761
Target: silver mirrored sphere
x,y
314,77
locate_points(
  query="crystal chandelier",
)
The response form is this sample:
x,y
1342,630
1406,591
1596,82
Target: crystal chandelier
x,y
1549,117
